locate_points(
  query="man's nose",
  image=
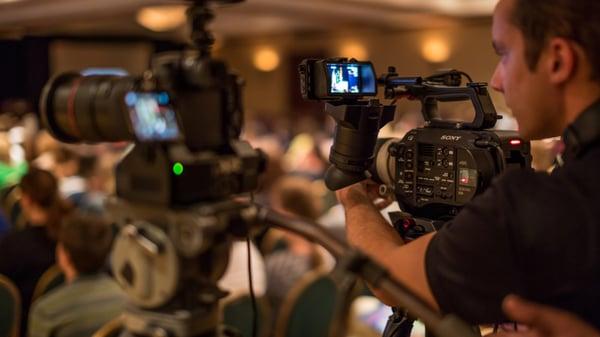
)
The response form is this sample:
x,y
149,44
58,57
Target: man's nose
x,y
496,81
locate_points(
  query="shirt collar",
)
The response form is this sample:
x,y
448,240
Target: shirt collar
x,y
582,133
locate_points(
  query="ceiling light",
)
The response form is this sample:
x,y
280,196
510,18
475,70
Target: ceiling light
x,y
266,59
435,50
162,18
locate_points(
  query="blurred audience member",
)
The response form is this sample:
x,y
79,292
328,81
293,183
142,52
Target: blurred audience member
x,y
236,278
90,298
294,196
304,157
25,254
66,168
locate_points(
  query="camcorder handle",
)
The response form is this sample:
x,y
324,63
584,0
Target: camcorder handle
x,y
443,87
356,263
477,93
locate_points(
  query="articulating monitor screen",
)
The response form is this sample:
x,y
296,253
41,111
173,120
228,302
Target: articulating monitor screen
x,y
351,78
152,116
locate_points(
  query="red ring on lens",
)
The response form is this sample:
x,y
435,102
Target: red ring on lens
x,y
72,118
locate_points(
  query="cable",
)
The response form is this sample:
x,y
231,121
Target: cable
x,y
250,282
252,295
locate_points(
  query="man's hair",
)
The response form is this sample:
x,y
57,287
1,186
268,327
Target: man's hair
x,y
41,187
297,195
576,20
87,240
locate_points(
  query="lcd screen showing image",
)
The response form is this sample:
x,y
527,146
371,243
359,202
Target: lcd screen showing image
x,y
152,116
351,78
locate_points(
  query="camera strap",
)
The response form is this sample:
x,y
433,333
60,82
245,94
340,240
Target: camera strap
x,y
583,134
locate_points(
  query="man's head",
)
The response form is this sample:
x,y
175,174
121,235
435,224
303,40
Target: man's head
x,y
83,245
550,61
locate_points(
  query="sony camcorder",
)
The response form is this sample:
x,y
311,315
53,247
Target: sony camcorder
x,y
433,170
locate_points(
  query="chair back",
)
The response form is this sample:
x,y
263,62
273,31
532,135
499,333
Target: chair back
x,y
10,302
113,328
238,313
50,279
308,310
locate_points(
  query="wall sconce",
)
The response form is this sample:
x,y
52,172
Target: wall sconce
x,y
266,59
435,50
354,50
161,18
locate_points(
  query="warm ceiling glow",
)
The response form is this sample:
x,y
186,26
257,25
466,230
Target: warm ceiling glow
x,y
435,50
354,50
161,18
266,59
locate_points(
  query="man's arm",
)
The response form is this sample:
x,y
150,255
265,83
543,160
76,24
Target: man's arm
x,y
368,231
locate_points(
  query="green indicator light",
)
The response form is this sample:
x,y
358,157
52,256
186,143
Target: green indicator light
x,y
178,169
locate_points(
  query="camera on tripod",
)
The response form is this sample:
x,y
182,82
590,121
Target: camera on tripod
x,y
433,170
175,185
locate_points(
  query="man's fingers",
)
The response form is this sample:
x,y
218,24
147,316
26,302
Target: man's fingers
x,y
524,311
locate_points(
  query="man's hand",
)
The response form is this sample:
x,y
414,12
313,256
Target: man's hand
x,y
363,193
544,321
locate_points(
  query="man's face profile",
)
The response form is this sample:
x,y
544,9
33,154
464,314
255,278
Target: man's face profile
x,y
527,92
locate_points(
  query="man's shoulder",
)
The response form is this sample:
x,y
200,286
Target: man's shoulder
x,y
66,296
52,303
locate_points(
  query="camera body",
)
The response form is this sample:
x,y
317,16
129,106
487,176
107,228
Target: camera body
x,y
433,172
185,116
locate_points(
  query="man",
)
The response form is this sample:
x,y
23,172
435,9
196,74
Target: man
x,y
531,234
89,298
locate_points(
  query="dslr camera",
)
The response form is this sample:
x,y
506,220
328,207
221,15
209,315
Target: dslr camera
x,y
433,170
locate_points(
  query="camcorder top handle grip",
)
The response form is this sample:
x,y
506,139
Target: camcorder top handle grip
x,y
477,93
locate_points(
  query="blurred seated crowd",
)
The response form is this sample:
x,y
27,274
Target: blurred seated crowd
x,y
52,216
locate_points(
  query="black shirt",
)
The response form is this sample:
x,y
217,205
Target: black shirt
x,y
531,234
24,256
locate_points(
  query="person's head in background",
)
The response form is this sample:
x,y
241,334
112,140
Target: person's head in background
x,y
84,242
549,70
40,200
66,162
296,196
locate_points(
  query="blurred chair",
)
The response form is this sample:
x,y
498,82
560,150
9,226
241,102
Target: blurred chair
x,y
50,279
238,313
10,312
12,207
309,308
111,329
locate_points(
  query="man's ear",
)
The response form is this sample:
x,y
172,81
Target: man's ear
x,y
561,61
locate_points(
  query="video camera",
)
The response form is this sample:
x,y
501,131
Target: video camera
x,y
433,170
175,184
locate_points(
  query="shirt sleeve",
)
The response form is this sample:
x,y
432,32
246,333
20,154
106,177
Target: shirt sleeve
x,y
469,262
529,234
39,323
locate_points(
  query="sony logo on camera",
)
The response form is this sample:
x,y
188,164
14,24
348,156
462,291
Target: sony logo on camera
x,y
451,138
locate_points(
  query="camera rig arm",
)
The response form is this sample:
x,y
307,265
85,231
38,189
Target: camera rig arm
x,y
356,263
443,87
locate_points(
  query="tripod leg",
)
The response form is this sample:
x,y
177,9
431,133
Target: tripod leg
x,y
398,324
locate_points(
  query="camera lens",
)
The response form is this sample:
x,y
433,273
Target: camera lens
x,y
76,108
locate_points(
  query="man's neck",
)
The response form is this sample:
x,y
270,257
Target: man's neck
x,y
70,275
578,99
